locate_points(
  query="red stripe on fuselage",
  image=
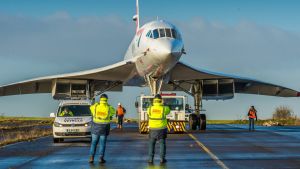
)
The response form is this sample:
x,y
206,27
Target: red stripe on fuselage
x,y
139,32
298,94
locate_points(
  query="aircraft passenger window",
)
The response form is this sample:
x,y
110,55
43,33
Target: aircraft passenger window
x,y
155,34
168,33
162,33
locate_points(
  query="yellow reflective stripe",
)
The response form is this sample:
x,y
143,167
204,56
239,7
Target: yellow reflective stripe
x,y
172,126
143,127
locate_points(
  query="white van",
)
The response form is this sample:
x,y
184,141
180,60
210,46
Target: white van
x,y
72,120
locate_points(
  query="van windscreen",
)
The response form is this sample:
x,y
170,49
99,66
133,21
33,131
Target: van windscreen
x,y
74,110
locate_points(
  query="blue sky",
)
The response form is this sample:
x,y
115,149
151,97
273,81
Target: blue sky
x,y
276,12
256,39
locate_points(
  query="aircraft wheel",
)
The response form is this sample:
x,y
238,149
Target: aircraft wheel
x,y
193,122
202,122
55,140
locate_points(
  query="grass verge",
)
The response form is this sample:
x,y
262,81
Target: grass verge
x,y
9,118
286,122
19,135
16,129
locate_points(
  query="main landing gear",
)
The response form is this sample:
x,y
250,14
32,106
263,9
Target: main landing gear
x,y
197,122
196,119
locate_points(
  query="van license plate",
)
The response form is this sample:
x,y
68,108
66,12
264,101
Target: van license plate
x,y
72,130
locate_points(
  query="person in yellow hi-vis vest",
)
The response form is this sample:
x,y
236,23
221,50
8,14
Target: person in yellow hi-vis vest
x,y
158,128
102,113
66,112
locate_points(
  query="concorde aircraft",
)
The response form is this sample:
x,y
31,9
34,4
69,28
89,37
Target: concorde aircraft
x,y
152,59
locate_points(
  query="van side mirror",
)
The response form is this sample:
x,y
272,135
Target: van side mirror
x,y
136,104
52,115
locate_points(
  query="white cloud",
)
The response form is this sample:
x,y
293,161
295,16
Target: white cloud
x,y
60,36
244,49
58,16
62,41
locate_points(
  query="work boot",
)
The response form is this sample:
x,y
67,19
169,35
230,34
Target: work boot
x,y
91,160
163,161
101,160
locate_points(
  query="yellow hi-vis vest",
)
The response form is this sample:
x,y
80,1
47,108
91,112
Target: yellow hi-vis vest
x,y
102,112
157,116
64,113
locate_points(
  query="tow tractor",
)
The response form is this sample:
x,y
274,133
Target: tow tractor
x,y
176,118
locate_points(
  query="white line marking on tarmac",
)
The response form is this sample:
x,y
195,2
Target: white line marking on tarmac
x,y
212,155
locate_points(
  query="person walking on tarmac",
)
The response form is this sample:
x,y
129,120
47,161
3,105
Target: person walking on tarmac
x,y
158,128
120,115
252,115
102,113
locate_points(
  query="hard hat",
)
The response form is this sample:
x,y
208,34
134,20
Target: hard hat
x,y
104,96
157,96
119,104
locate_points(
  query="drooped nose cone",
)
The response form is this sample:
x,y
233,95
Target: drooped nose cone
x,y
168,50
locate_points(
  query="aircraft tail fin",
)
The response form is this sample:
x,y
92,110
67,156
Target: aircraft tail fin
x,y
136,17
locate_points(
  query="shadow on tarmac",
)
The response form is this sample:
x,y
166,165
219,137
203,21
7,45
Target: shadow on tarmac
x,y
154,166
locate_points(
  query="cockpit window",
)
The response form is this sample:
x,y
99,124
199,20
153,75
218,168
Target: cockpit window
x,y
155,34
168,33
174,33
162,33
149,34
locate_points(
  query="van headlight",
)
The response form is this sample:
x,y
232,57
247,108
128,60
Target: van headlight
x,y
88,124
57,124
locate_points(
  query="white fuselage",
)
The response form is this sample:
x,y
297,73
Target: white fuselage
x,y
156,48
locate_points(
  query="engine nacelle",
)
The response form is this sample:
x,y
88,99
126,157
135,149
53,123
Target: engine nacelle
x,y
70,89
218,89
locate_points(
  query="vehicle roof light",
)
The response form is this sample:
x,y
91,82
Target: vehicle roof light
x,y
168,94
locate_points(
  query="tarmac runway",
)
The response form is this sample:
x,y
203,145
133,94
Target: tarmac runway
x,y
221,146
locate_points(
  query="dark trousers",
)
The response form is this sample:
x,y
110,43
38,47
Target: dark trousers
x,y
251,124
120,120
154,136
152,142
